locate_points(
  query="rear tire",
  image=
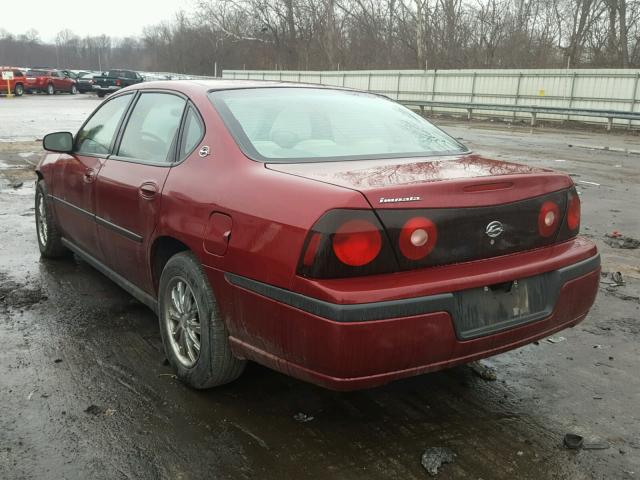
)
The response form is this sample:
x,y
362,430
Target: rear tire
x,y
48,233
18,90
100,94
50,90
73,90
195,338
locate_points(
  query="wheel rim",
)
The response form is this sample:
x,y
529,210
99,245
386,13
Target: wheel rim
x,y
50,89
41,220
19,90
73,90
182,321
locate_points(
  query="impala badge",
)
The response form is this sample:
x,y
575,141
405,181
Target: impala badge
x,y
204,151
399,199
494,229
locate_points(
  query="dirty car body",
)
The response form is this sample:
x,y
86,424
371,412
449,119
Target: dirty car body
x,y
346,240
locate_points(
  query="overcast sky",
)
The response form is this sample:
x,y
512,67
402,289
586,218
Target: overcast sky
x,y
116,18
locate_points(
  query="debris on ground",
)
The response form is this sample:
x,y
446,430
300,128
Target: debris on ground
x,y
484,370
302,417
96,411
434,457
556,339
576,442
616,240
16,185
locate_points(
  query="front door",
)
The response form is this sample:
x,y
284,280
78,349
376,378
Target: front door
x,y
129,187
74,186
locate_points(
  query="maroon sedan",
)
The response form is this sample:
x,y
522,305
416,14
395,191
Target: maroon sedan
x,y
330,234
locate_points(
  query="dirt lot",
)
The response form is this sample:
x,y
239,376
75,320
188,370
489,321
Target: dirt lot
x,y
85,391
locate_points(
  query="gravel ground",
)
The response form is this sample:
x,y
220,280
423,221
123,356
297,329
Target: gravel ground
x,y
85,391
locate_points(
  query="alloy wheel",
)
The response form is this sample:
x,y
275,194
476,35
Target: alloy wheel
x,y
41,220
182,321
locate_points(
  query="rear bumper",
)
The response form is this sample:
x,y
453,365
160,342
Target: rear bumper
x,y
98,88
354,346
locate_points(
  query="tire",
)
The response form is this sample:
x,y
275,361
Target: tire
x,y
100,94
214,364
18,90
47,231
50,89
73,90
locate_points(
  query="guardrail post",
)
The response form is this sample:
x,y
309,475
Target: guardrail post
x,y
533,119
369,83
469,110
517,94
633,96
299,76
609,123
433,88
473,88
398,87
343,78
573,83
320,78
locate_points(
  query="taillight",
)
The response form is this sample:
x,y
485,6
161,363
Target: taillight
x,y
117,83
548,219
573,211
357,242
346,243
417,238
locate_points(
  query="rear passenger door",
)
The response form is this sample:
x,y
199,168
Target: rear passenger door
x,y
129,187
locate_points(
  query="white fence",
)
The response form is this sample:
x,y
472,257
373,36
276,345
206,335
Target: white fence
x,y
601,89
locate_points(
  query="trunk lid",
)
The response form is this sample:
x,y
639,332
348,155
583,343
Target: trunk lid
x,y
478,207
461,181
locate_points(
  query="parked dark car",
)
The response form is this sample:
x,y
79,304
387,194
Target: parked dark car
x,y
113,80
49,82
85,82
330,234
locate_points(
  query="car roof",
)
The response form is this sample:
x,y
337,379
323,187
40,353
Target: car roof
x,y
226,84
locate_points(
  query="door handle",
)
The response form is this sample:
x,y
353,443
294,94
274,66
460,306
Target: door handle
x,y
90,175
148,190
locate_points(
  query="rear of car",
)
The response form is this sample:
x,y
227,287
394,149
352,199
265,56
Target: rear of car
x,y
113,80
85,82
447,258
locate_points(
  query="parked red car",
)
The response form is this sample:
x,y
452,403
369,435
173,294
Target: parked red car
x,y
50,82
330,234
15,85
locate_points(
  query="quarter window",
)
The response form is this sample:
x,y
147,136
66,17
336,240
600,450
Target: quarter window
x,y
192,135
97,134
152,128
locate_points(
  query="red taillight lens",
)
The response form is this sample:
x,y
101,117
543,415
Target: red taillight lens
x,y
548,219
573,212
417,238
117,83
357,242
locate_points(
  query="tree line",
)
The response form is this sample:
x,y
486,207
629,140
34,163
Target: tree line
x,y
355,34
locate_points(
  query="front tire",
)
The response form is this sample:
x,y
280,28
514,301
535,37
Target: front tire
x,y
18,90
50,89
193,332
49,238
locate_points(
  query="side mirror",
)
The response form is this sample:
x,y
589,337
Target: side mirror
x,y
61,142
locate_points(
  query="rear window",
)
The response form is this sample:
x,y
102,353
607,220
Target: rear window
x,y
311,124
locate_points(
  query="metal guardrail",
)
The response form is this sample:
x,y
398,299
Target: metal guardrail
x,y
533,110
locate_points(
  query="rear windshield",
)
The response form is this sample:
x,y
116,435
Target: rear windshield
x,y
311,124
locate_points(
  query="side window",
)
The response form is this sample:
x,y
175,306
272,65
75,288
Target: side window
x,y
192,134
17,73
97,134
152,127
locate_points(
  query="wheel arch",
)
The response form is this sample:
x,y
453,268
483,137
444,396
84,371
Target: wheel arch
x,y
162,249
